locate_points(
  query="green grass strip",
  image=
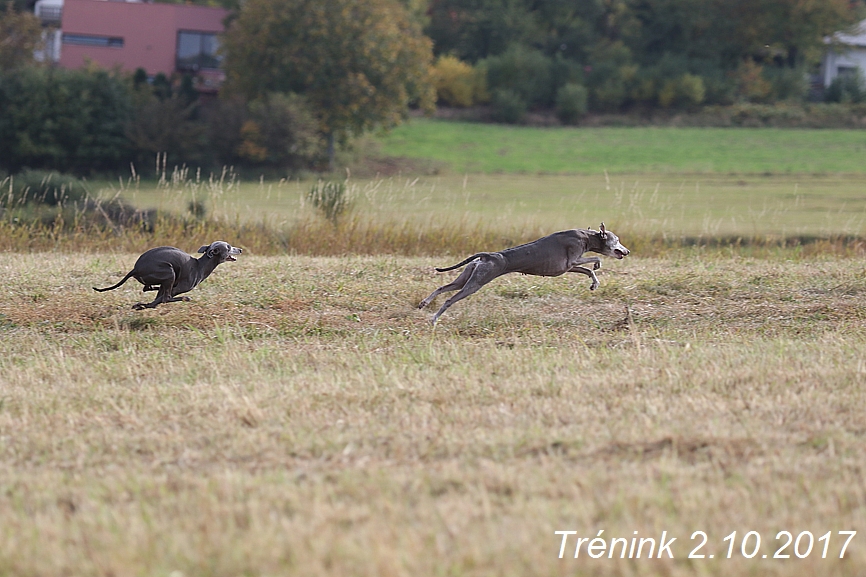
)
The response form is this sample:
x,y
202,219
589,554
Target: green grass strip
x,y
489,148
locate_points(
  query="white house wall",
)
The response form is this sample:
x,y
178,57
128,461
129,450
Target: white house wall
x,y
852,58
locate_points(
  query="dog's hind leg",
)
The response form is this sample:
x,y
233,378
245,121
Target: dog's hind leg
x,y
482,273
166,284
454,285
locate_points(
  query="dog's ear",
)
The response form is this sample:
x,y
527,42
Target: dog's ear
x,y
203,249
602,233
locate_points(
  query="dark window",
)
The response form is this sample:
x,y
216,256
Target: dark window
x,y
847,71
197,50
84,40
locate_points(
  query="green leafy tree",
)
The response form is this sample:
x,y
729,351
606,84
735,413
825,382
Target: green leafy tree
x,y
20,36
360,64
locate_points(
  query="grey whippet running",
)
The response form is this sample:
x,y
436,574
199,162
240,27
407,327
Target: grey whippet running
x,y
171,271
552,255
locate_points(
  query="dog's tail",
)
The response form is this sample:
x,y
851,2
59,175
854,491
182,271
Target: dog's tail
x,y
459,264
123,280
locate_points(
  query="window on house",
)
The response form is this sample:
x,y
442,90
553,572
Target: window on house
x,y
197,50
846,71
86,40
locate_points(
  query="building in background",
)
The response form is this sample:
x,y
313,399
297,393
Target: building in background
x,y
846,55
159,38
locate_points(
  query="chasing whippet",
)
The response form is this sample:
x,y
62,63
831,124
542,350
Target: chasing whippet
x,y
171,271
552,255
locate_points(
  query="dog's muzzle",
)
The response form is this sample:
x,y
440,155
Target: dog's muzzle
x,y
235,250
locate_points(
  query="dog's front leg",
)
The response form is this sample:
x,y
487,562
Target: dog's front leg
x,y
596,261
589,273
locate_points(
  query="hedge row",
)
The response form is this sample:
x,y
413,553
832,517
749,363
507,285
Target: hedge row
x,y
81,121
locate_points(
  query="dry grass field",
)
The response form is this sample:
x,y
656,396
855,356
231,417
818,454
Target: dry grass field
x,y
693,205
301,417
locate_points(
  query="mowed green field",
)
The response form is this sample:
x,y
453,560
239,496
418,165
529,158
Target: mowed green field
x,y
474,147
300,416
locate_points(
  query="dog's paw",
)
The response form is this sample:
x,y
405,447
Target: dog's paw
x,y
593,286
139,306
185,299
596,266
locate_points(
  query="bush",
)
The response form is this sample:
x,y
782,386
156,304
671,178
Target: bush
x,y
759,115
610,94
685,90
719,86
571,103
507,106
281,132
787,83
67,120
525,72
457,83
752,85
846,89
330,199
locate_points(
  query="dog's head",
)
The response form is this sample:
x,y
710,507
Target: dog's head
x,y
220,250
610,245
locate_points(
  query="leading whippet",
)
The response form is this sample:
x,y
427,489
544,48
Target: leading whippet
x,y
552,255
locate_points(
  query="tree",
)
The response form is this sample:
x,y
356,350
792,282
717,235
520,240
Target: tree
x,y
360,64
20,36
796,28
280,132
475,29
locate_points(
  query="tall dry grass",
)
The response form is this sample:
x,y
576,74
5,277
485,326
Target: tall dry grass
x,y
361,234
